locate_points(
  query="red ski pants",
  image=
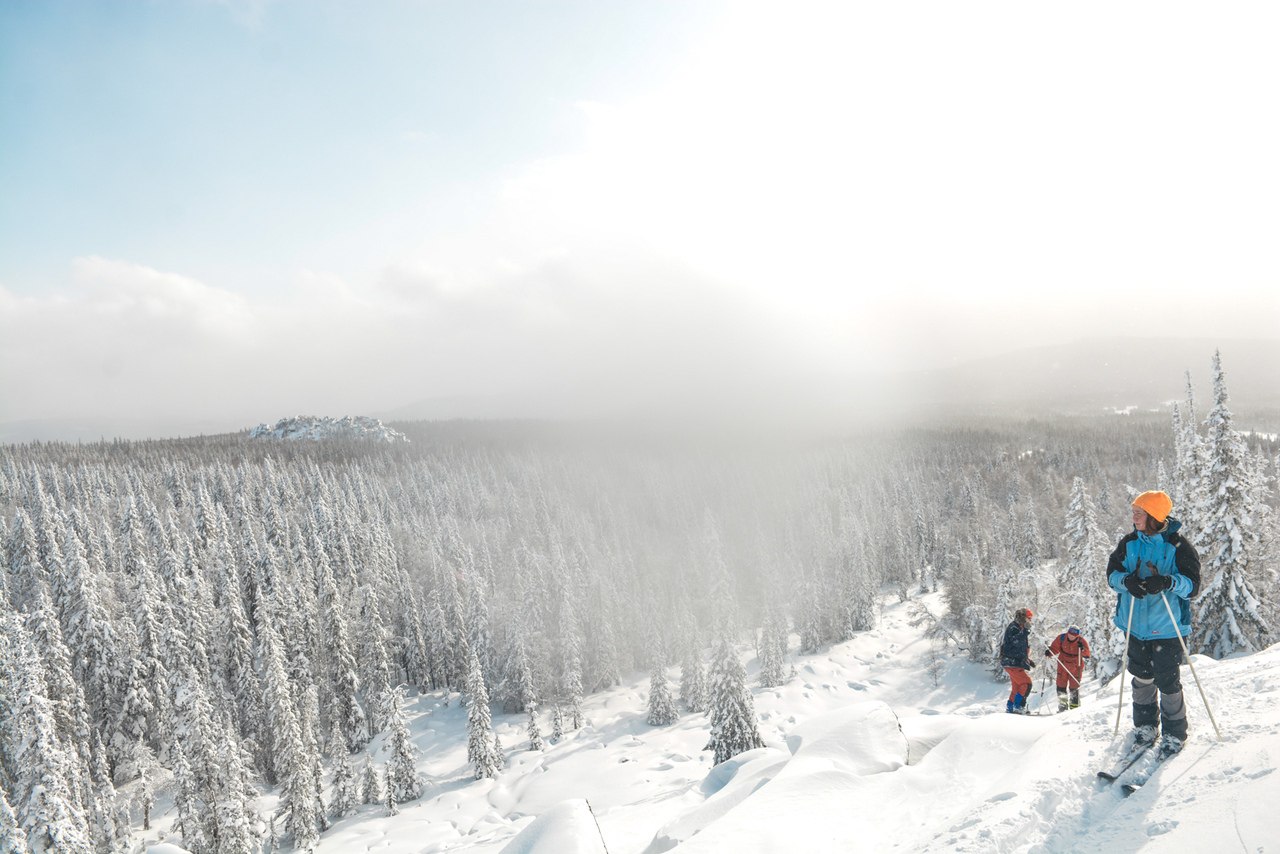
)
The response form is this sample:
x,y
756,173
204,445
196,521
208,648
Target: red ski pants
x,y
1020,682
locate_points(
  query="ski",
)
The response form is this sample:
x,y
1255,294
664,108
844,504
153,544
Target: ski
x,y
1139,781
1126,762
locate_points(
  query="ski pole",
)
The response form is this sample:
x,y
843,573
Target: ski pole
x,y
1067,671
1187,654
1124,665
1064,667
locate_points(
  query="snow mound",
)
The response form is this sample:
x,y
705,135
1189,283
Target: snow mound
x,y
316,429
861,739
726,785
567,828
829,754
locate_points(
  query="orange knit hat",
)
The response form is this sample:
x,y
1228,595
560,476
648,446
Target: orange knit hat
x,y
1157,505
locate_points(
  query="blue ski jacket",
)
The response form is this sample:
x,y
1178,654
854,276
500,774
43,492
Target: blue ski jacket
x,y
1166,553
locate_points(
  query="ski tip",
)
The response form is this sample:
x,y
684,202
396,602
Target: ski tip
x,y
1103,775
1129,789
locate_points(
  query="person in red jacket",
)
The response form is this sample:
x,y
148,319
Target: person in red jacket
x,y
1072,651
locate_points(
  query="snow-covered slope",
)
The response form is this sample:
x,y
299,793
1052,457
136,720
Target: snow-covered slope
x,y
313,428
863,753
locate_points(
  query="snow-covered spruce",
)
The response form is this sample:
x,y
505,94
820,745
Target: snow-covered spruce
x,y
370,783
662,709
533,730
1089,604
402,774
733,717
482,751
345,789
1234,519
693,679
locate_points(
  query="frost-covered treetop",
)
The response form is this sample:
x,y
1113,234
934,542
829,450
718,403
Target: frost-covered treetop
x,y
316,428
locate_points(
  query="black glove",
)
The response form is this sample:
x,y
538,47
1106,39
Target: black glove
x,y
1157,583
1048,653
1134,585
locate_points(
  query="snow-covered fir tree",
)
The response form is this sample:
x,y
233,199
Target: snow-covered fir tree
x,y
693,678
732,712
534,731
810,619
1235,517
108,818
402,765
370,783
291,761
12,839
144,763
481,750
234,800
389,798
345,789
186,800
773,647
343,669
1089,603
557,723
48,809
374,657
1189,463
662,709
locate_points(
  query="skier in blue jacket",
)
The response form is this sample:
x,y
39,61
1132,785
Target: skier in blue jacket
x,y
1157,570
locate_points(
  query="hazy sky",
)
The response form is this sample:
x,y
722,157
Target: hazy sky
x,y
245,210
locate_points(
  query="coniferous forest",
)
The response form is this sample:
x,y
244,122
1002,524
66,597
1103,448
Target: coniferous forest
x,y
223,615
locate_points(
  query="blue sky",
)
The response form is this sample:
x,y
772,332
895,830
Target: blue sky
x,y
223,140
272,207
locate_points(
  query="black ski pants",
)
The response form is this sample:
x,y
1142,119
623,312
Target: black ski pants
x,y
1155,666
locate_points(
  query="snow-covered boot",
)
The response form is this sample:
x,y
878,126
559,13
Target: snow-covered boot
x,y
1144,735
1169,745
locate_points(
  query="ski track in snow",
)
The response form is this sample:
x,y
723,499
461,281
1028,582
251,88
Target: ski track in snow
x,y
863,753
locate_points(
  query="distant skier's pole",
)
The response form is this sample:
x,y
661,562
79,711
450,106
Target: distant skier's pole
x,y
1064,668
1187,654
1124,665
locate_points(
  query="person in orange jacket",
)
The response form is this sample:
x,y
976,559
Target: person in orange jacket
x,y
1072,651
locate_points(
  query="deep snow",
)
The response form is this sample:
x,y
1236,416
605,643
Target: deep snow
x,y
863,753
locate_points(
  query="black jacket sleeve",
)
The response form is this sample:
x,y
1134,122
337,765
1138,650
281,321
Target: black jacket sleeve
x,y
1188,563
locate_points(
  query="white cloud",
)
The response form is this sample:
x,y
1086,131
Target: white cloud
x,y
129,339
922,182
